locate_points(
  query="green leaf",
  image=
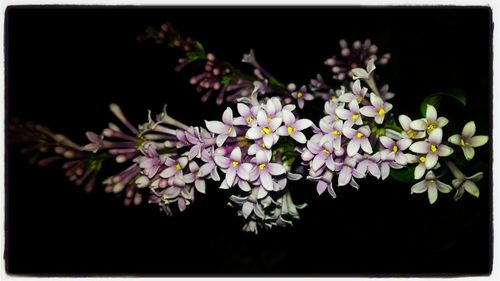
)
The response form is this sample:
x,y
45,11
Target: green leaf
x,y
435,99
404,175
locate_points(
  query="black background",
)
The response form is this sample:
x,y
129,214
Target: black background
x,y
65,65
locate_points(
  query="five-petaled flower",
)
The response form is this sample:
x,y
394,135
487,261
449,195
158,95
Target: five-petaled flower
x,y
265,129
358,138
467,141
396,148
264,170
351,115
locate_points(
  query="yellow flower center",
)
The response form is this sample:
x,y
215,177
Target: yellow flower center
x,y
235,163
359,135
463,142
411,133
434,148
359,99
178,166
431,127
229,130
269,119
262,166
421,159
263,145
299,94
249,119
395,148
333,98
336,133
326,151
381,112
431,181
266,130
290,130
355,117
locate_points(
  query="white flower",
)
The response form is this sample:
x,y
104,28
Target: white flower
x,y
360,73
431,185
430,122
467,140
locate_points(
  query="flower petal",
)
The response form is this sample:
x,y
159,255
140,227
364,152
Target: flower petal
x,y
431,161
227,116
419,124
419,187
299,137
432,193
436,136
444,188
254,133
405,122
230,176
353,147
419,171
266,180
421,147
431,113
366,146
216,127
444,150
368,111
469,129
387,142
288,117
303,124
455,139
345,176
468,152
247,209
276,169
478,141
471,188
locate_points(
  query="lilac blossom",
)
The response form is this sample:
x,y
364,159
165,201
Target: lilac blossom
x,y
96,142
224,129
467,141
357,93
378,108
323,155
332,131
293,127
369,164
196,176
265,129
358,139
348,173
430,122
463,183
248,115
264,170
408,132
432,186
301,96
233,167
395,147
432,148
151,161
351,115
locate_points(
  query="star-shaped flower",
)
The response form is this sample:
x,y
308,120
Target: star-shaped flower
x,y
431,185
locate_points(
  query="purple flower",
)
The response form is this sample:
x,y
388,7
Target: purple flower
x,y
293,127
152,161
395,147
325,183
357,93
196,176
369,163
378,109
263,170
265,129
348,171
224,129
332,131
351,116
174,169
247,115
358,138
95,142
432,148
323,155
301,96
233,167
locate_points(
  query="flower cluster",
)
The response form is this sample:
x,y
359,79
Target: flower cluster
x,y
263,142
